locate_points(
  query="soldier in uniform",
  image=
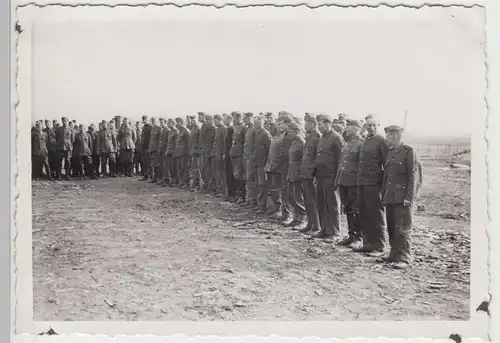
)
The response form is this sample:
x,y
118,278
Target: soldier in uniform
x,y
95,157
182,152
73,160
228,165
273,166
250,177
39,151
285,120
326,168
138,150
372,156
219,151
55,124
296,194
65,137
145,138
260,152
270,124
154,144
106,148
194,154
207,137
162,151
346,182
52,148
400,189
171,166
83,153
126,137
116,164
236,153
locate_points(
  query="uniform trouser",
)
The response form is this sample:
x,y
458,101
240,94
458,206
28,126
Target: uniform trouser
x,y
182,163
172,170
194,170
371,216
64,158
207,167
286,208
74,163
85,165
349,198
78,165
251,181
239,176
220,176
127,158
230,180
153,164
145,164
274,181
39,162
53,162
262,187
108,158
161,165
328,206
296,200
399,226
96,163
310,204
138,162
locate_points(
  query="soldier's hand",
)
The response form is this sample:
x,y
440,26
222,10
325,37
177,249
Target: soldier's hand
x,y
406,203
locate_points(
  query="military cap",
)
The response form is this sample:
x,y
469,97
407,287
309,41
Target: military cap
x,y
393,128
286,119
170,120
310,118
180,120
192,117
144,117
236,114
218,117
324,117
354,122
269,114
343,116
208,116
202,113
249,114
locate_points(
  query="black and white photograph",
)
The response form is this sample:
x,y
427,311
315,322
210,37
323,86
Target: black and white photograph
x,y
195,164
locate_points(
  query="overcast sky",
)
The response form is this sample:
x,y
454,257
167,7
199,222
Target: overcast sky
x,y
92,71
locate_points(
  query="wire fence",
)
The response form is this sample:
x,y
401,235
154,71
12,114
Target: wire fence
x,y
441,150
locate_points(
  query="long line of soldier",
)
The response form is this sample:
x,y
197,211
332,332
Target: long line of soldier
x,y
308,168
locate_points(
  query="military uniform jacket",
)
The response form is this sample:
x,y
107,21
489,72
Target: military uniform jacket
x,y
328,155
93,140
279,153
239,134
194,141
229,140
106,141
163,140
182,142
83,144
309,155
207,137
295,159
138,140
261,145
146,137
154,139
402,176
126,137
349,163
248,143
171,142
65,138
220,142
51,135
39,140
372,155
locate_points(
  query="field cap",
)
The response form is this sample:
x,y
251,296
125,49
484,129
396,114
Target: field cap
x,y
208,116
393,128
218,117
354,122
236,114
192,116
343,116
180,120
286,118
310,118
269,114
324,117
202,113
249,114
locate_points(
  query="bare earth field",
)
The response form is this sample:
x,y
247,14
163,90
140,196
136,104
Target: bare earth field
x,y
123,249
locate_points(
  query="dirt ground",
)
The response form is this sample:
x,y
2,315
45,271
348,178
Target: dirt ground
x,y
123,249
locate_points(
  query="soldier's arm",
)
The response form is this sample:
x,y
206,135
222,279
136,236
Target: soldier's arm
x,y
383,149
413,177
90,142
338,143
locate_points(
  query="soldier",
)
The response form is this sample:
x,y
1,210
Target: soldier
x,y
145,138
52,148
182,152
154,144
250,177
106,148
95,156
40,153
116,164
138,149
73,159
219,152
194,154
126,137
236,153
346,182
401,186
65,137
259,155
273,166
296,195
207,137
162,152
326,168
171,165
270,124
228,165
307,172
55,124
372,156
83,152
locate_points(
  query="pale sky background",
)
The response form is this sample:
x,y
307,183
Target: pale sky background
x,y
93,71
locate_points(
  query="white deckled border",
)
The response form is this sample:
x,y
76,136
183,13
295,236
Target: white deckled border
x,y
23,310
